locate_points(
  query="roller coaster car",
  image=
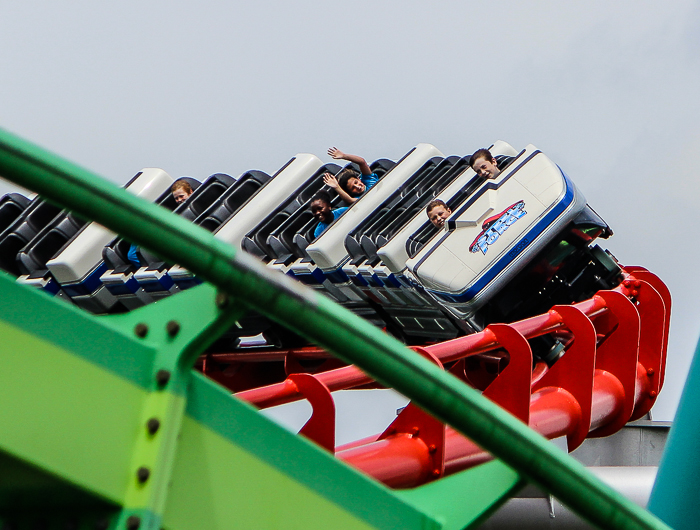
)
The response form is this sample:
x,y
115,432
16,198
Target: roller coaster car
x,y
514,246
518,245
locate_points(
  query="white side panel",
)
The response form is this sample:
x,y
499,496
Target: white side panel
x,y
268,198
328,251
177,273
454,261
393,254
81,255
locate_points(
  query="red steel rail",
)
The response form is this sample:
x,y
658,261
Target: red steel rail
x,y
611,373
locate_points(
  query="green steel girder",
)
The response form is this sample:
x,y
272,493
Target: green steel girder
x,y
310,314
91,382
134,418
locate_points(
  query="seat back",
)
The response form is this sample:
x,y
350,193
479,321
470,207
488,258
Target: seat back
x,y
46,244
257,241
11,207
328,250
245,187
16,236
204,196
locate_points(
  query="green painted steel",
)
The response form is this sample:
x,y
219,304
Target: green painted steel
x,y
80,390
229,462
486,486
229,459
219,430
326,324
53,398
179,331
208,492
674,498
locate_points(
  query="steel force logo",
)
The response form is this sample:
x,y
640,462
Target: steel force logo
x,y
494,227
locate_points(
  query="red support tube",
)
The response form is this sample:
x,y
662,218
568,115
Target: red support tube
x,y
452,350
402,461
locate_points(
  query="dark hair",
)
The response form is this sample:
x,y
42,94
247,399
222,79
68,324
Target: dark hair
x,y
320,195
181,184
344,175
434,204
481,153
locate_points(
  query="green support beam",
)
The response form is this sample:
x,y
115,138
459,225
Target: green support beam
x,y
94,387
323,322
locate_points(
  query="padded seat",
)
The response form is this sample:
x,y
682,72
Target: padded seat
x,y
258,240
204,196
282,239
47,243
503,161
425,233
38,214
293,236
434,175
115,254
11,207
426,193
237,194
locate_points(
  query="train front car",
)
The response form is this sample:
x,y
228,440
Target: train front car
x,y
521,243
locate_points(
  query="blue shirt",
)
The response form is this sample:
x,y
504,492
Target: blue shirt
x,y
369,180
132,256
322,226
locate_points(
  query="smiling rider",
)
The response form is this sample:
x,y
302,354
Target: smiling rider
x,y
484,164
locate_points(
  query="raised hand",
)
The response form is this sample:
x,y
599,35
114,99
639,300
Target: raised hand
x,y
336,153
330,180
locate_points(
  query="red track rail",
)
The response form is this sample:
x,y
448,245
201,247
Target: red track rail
x,y
611,373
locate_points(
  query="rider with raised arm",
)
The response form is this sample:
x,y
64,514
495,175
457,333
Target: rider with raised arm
x,y
348,183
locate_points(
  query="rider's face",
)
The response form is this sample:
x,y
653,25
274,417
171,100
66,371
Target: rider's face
x,y
486,168
438,215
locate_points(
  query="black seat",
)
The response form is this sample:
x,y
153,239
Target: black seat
x,y
166,199
240,192
503,161
259,241
15,237
426,194
293,236
204,196
427,231
47,243
361,243
115,254
11,207
282,240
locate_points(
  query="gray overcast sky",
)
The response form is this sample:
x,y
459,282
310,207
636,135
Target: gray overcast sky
x,y
609,90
